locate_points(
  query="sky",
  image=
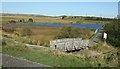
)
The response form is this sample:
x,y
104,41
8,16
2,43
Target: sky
x,y
103,9
118,10
60,0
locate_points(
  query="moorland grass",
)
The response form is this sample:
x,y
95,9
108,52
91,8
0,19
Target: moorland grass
x,y
43,56
55,59
44,34
78,20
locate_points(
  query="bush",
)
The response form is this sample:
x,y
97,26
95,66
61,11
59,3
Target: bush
x,y
44,43
64,32
6,36
30,20
69,32
63,17
113,31
21,20
29,42
3,42
41,43
75,33
8,29
12,21
34,42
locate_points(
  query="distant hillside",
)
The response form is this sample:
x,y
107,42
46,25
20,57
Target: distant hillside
x,y
16,18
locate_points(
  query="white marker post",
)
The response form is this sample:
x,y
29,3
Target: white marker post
x,y
105,37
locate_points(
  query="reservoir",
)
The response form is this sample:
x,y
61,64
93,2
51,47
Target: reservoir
x,y
90,26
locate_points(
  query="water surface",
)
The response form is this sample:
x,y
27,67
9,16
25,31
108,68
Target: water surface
x,y
91,26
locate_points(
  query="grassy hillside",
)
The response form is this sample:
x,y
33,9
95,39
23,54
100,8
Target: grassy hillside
x,y
96,56
99,55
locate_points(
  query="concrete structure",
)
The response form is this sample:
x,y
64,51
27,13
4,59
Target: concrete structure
x,y
69,44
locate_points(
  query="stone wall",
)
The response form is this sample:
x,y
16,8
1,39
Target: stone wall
x,y
69,44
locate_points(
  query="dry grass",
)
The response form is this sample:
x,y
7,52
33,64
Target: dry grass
x,y
5,19
42,19
91,57
44,34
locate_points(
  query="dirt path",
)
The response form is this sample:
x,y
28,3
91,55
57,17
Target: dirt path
x,y
36,46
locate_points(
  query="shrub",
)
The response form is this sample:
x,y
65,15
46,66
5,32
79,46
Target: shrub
x,y
34,42
47,44
21,20
63,17
12,21
113,31
69,32
6,36
44,43
30,20
65,32
3,42
75,33
8,29
41,43
29,42
108,57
